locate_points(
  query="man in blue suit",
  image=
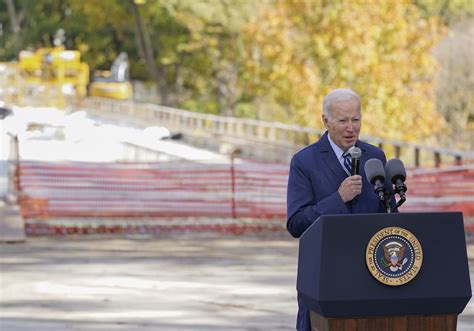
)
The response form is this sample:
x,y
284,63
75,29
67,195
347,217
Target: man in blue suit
x,y
320,184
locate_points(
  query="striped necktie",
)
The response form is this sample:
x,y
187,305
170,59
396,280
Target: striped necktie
x,y
347,162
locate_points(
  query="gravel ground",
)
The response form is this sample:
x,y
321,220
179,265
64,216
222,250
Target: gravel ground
x,y
167,282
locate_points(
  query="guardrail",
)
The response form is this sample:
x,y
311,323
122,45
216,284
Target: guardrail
x,y
289,137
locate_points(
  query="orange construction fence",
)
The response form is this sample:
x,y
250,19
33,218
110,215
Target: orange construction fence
x,y
185,195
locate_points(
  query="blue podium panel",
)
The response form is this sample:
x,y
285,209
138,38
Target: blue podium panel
x,y
334,280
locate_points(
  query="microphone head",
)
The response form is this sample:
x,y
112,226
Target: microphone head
x,y
355,152
395,170
374,170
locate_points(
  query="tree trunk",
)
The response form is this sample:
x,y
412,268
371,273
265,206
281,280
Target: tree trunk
x,y
225,74
145,50
15,25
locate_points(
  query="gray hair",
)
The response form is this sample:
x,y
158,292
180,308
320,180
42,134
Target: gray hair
x,y
340,94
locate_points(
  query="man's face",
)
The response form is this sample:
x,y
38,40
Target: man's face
x,y
344,123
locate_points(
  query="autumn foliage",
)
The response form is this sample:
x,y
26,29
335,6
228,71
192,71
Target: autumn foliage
x,y
268,59
297,51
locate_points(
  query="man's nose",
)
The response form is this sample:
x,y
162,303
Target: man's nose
x,y
350,126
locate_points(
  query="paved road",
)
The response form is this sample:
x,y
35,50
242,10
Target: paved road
x,y
165,282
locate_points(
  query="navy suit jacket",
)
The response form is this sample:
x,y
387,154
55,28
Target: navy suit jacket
x,y
315,177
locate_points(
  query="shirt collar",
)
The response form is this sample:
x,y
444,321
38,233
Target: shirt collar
x,y
337,150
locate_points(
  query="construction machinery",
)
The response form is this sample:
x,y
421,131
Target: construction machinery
x,y
51,75
57,70
113,83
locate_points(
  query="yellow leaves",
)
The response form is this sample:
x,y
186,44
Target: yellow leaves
x,y
82,47
271,51
321,48
381,49
166,60
192,22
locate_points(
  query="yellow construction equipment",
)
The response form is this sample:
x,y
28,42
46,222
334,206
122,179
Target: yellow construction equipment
x,y
55,69
50,76
113,83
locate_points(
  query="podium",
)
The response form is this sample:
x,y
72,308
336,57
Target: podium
x,y
401,271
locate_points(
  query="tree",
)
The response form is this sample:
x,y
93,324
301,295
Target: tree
x,y
15,25
144,46
209,56
271,59
296,51
449,11
455,84
455,80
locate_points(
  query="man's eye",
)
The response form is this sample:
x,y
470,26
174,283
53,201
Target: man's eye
x,y
342,121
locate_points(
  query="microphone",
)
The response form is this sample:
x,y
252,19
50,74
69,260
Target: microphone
x,y
395,171
376,176
355,153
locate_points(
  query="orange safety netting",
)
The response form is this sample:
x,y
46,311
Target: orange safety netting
x,y
184,195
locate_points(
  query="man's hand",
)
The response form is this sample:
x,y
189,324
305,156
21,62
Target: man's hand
x,y
350,187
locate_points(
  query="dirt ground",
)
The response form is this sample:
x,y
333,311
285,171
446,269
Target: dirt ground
x,y
163,282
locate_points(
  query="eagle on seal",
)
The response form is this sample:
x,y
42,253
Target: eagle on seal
x,y
394,252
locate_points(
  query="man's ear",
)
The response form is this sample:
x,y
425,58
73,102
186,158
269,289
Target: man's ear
x,y
325,121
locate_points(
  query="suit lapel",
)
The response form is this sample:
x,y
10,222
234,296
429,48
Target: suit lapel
x,y
329,157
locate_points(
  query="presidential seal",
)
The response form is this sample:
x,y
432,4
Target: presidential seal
x,y
394,256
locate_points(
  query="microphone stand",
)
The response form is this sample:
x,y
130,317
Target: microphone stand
x,y
384,197
400,189
401,201
387,199
388,196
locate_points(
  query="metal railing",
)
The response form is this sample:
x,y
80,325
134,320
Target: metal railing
x,y
279,135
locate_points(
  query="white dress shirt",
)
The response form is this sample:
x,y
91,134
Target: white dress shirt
x,y
338,151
